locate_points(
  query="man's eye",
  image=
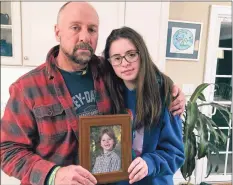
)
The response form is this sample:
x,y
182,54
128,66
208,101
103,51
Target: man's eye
x,y
75,28
92,30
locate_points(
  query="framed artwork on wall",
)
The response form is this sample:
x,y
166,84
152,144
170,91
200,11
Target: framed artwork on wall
x,y
183,40
105,146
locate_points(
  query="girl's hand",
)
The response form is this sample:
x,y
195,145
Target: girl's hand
x,y
137,170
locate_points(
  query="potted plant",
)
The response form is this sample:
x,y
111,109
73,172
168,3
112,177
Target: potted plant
x,y
197,128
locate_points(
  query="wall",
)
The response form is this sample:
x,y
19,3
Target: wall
x,y
191,72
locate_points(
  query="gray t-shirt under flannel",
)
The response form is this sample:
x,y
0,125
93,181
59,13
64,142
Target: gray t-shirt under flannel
x,y
107,162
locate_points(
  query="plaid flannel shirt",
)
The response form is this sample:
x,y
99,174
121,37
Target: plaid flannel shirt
x,y
39,128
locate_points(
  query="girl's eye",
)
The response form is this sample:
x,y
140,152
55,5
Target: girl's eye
x,y
117,58
132,54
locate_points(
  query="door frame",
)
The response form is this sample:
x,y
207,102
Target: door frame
x,y
216,12
213,38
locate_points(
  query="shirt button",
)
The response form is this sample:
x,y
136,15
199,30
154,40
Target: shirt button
x,y
58,91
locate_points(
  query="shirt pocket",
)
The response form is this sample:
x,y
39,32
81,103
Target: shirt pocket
x,y
51,121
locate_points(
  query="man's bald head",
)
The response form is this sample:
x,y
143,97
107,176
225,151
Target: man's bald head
x,y
61,9
77,30
80,5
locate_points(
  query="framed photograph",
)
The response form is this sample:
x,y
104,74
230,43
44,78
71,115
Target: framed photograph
x,y
183,40
105,146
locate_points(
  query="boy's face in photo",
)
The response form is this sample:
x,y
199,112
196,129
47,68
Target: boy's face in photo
x,y
106,143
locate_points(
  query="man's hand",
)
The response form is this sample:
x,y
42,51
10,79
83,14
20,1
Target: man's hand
x,y
138,169
74,175
178,104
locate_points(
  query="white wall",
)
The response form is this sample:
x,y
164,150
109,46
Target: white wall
x,y
39,35
8,75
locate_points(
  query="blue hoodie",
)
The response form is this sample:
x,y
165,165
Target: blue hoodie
x,y
163,148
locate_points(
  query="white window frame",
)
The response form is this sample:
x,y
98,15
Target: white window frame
x,y
217,12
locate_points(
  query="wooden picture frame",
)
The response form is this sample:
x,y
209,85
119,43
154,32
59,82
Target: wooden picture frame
x,y
89,128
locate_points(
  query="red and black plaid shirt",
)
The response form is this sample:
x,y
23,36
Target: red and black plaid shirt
x,y
39,128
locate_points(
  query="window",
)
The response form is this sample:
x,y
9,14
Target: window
x,y
219,71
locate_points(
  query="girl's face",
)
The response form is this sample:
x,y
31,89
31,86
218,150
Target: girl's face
x,y
127,70
106,143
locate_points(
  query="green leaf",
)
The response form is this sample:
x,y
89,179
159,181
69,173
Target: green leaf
x,y
216,168
198,91
211,129
212,148
191,117
189,140
220,135
201,97
190,153
209,171
215,149
203,143
211,165
221,109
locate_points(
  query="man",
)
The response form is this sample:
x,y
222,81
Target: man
x,y
39,126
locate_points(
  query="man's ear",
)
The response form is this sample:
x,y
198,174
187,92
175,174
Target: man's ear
x,y
57,33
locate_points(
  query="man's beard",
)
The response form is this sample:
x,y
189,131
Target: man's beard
x,y
83,57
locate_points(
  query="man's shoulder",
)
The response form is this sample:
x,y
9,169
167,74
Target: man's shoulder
x,y
31,75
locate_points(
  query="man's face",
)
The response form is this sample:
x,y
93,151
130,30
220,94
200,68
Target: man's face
x,y
77,32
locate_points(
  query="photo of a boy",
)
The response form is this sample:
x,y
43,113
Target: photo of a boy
x,y
108,160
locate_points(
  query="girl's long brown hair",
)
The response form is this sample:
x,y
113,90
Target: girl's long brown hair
x,y
150,95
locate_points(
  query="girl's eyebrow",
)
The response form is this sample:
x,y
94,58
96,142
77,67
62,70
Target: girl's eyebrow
x,y
117,54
